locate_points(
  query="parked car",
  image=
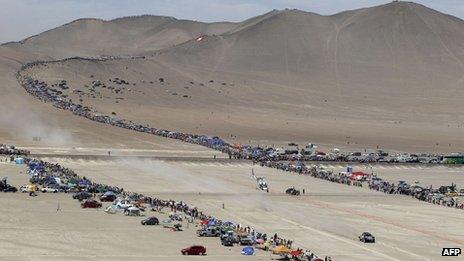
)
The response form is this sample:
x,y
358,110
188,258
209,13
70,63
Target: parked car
x,y
62,188
82,195
367,237
5,187
9,189
209,232
246,240
177,227
231,235
108,198
292,191
227,241
461,192
150,221
90,203
49,190
132,211
194,250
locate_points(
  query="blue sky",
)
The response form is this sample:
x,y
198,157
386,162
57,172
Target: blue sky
x,y
22,18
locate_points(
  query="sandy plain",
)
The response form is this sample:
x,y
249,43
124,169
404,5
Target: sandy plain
x,y
327,219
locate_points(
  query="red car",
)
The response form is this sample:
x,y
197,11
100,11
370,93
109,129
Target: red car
x,y
194,250
91,204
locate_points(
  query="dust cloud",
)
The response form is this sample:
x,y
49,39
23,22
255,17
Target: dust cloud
x,y
176,178
23,123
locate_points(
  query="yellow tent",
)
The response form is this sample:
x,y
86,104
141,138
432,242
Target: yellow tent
x,y
31,188
281,250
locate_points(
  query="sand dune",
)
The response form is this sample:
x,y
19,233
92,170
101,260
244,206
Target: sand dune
x,y
379,51
388,76
122,36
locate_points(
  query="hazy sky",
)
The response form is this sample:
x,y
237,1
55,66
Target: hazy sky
x,y
22,18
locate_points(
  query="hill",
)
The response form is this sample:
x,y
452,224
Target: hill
x,y
121,36
398,45
389,76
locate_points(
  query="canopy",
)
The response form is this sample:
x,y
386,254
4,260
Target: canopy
x,y
31,188
73,180
281,250
228,223
248,251
212,222
296,253
35,166
57,180
50,180
19,161
260,241
84,182
109,193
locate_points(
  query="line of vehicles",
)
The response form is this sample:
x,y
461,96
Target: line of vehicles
x,y
227,235
309,152
130,210
88,200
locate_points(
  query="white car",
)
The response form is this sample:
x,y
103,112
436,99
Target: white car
x,y
123,204
49,190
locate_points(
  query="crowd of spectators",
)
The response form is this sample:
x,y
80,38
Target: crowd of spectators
x,y
49,174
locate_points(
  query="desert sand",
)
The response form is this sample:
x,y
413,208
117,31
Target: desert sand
x,y
327,219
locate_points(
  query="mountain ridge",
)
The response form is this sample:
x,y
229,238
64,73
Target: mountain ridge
x,y
136,34
389,75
